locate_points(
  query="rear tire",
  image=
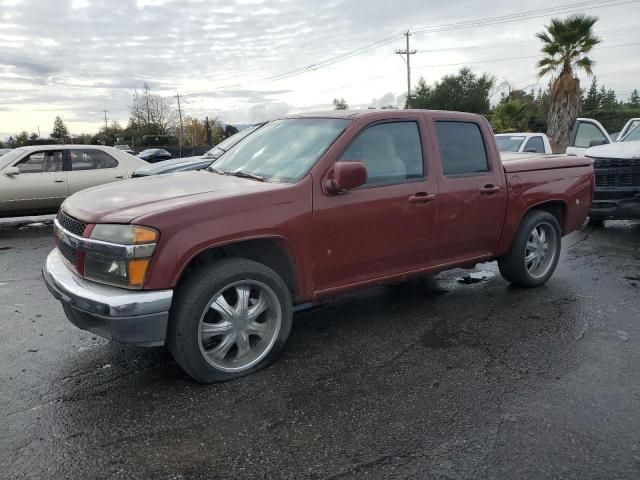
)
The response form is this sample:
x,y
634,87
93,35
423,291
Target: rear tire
x,y
535,251
230,318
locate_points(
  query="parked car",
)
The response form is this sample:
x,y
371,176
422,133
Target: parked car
x,y
214,262
153,155
617,177
523,142
35,180
125,148
588,133
195,163
4,150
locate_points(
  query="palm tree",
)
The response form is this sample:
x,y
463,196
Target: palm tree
x,y
566,43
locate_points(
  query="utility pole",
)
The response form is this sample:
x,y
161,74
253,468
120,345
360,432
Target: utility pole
x,y
408,52
207,129
180,115
105,119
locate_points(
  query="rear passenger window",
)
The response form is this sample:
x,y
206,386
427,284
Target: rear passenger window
x,y
534,145
90,159
461,148
392,152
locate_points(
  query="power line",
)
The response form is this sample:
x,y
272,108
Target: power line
x,y
515,58
532,14
569,8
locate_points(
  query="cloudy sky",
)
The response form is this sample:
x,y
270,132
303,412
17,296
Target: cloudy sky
x,y
247,60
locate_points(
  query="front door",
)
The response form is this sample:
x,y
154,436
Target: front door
x,y
387,225
472,195
40,185
586,133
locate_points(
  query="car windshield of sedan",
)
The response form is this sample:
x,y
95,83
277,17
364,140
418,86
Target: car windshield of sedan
x,y
282,150
225,145
10,156
507,143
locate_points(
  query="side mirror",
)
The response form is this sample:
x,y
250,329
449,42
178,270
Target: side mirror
x,y
346,176
595,143
11,171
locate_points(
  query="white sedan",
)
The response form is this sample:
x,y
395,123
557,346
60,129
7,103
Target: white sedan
x,y
36,180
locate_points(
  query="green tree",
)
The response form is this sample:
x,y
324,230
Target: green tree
x,y
566,43
464,92
33,137
22,139
608,99
340,104
59,129
634,99
592,100
512,116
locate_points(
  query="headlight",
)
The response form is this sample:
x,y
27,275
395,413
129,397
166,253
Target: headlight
x,y
131,254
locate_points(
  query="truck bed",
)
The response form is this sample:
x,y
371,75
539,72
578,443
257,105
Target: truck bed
x,y
520,162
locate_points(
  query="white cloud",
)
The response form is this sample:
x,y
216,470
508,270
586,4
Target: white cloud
x,y
225,56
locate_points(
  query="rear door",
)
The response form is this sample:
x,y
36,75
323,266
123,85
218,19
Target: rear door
x,y
90,167
472,196
587,133
41,185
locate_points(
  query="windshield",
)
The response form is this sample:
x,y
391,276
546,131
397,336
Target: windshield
x,y
226,144
282,150
10,156
633,135
507,143
146,152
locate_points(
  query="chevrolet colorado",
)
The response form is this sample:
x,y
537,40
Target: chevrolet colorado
x,y
214,262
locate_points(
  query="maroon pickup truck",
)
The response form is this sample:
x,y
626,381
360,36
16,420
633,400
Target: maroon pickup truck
x,y
213,263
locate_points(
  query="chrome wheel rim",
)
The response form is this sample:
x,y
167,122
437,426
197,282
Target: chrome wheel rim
x,y
540,250
239,325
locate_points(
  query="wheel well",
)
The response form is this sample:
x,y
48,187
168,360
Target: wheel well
x,y
556,208
271,252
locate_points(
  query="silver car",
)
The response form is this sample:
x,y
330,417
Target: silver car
x,y
36,180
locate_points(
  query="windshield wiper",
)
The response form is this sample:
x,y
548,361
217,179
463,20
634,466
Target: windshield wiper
x,y
237,174
245,175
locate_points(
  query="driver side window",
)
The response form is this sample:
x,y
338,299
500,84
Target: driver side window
x,y
41,162
392,153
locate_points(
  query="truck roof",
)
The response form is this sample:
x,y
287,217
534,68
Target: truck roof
x,y
390,113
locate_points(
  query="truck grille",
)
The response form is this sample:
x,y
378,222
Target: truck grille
x,y
617,172
70,224
70,253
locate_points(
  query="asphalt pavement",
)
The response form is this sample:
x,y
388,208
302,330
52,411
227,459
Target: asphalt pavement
x,y
456,377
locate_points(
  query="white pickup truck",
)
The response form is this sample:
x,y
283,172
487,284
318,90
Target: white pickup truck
x,y
588,133
523,143
616,168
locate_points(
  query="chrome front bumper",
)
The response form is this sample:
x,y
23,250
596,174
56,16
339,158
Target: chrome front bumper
x,y
138,317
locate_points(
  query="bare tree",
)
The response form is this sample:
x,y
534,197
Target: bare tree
x,y
152,113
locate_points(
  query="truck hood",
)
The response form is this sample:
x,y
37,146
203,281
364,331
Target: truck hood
x,y
624,150
529,163
123,202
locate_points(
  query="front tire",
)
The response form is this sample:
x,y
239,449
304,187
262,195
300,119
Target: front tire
x,y
230,318
535,251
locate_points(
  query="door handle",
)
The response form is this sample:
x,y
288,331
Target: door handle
x,y
422,198
490,189
119,176
58,180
